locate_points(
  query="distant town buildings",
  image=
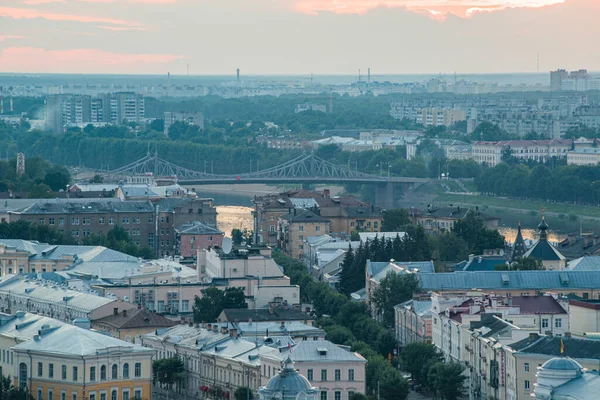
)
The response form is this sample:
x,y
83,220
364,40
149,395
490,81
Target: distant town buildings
x,y
310,107
190,118
579,81
63,111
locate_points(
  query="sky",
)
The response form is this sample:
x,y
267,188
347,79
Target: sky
x,y
297,37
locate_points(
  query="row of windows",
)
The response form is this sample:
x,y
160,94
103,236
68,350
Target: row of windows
x,y
114,395
557,323
101,220
337,375
103,372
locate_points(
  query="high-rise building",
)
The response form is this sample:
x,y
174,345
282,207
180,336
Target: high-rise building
x,y
556,78
191,118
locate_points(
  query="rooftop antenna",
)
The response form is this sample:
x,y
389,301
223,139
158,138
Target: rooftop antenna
x,y
238,75
359,74
188,70
538,61
330,100
311,78
369,75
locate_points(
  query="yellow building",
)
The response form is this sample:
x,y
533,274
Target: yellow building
x,y
296,227
72,363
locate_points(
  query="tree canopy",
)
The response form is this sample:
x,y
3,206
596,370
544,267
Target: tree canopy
x,y
214,301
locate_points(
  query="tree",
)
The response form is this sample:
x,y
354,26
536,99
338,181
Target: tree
x,y
447,380
358,396
214,301
169,371
118,239
477,236
392,386
40,191
522,264
393,220
243,393
340,335
97,179
394,289
237,236
9,392
417,358
57,178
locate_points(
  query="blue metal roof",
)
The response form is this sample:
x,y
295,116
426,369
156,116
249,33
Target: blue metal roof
x,y
466,280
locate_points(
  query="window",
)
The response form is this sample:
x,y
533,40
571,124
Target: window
x,y
544,323
50,221
126,371
103,373
42,221
162,232
301,238
64,373
63,395
558,323
317,228
40,369
185,305
309,374
23,375
137,394
338,375
338,395
323,375
113,395
75,221
125,394
74,396
50,370
75,377
115,372
350,374
125,220
39,394
301,247
301,228
150,219
111,221
526,367
350,394
151,239
101,220
323,395
527,385
92,375
92,396
138,370
50,394
272,228
61,221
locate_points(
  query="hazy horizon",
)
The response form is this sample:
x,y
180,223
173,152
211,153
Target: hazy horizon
x,y
296,37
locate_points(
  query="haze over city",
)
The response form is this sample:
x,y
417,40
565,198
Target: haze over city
x,y
296,36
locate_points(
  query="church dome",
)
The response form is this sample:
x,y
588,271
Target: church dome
x,y
543,226
562,364
288,384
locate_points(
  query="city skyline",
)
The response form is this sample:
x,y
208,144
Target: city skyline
x,y
295,36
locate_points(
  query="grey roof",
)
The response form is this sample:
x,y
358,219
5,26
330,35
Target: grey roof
x,y
542,250
24,325
308,350
197,228
585,387
15,204
542,280
258,315
586,263
92,206
275,328
375,267
301,216
578,348
72,340
51,293
419,307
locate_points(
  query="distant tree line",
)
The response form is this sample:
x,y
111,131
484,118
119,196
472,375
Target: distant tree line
x,y
565,183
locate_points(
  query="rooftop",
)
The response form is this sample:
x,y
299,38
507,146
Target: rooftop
x,y
132,319
316,350
73,341
550,346
197,228
304,216
532,280
94,206
260,315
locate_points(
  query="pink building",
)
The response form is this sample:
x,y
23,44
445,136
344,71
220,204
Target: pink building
x,y
195,236
413,321
338,373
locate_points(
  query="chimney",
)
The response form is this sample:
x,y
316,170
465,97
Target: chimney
x,y
196,325
223,330
282,324
471,257
209,327
567,334
124,313
326,193
548,333
233,333
215,328
533,337
116,311
204,325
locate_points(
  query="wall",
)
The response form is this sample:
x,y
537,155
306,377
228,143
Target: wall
x,y
189,244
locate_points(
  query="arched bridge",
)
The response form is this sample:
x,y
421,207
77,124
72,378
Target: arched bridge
x,y
307,168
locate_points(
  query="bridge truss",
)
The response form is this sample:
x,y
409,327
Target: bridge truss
x,y
305,168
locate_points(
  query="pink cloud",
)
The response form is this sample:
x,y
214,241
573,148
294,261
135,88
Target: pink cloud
x,y
437,9
26,13
31,59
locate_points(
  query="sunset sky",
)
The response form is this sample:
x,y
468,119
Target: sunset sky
x,y
297,36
